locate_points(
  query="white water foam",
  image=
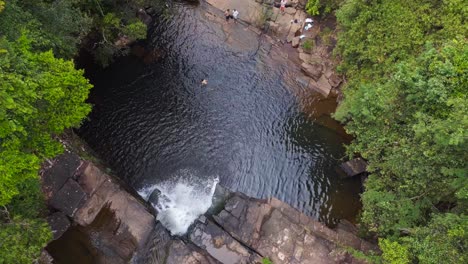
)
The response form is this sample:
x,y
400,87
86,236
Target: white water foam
x,y
180,201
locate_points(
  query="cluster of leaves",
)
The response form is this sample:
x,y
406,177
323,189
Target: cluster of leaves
x,y
40,96
61,25
316,7
406,105
116,21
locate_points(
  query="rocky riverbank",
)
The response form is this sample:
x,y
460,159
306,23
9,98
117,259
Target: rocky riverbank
x,y
96,220
249,230
310,49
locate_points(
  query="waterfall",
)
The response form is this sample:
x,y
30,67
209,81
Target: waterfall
x,y
180,200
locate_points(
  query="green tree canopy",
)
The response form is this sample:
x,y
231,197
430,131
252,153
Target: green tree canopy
x,y
406,105
40,96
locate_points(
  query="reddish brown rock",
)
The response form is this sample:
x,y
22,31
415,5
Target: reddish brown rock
x,y
295,42
313,70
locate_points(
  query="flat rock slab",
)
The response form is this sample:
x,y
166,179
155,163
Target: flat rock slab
x,y
354,167
275,230
58,223
221,245
132,215
109,224
69,198
163,248
249,10
63,168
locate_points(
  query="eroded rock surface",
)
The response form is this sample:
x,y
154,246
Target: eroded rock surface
x,y
275,230
93,218
285,29
246,230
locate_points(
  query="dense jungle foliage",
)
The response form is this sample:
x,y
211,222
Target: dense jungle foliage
x,y
405,102
42,94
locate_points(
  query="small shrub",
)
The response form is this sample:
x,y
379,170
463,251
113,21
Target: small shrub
x,y
266,261
326,35
308,45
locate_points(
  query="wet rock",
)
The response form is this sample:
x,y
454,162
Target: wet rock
x,y
303,81
313,70
58,223
295,42
69,198
219,199
63,168
154,197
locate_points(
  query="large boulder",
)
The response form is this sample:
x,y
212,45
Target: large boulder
x,y
313,70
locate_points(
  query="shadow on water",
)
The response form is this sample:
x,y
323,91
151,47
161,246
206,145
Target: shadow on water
x,y
97,243
152,118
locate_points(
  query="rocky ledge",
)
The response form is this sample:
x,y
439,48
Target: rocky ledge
x,y
248,230
95,220
92,217
313,45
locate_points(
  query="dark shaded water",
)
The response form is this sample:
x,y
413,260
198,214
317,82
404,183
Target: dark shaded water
x,y
152,121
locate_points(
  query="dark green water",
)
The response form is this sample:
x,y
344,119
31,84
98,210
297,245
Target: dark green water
x,y
151,121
